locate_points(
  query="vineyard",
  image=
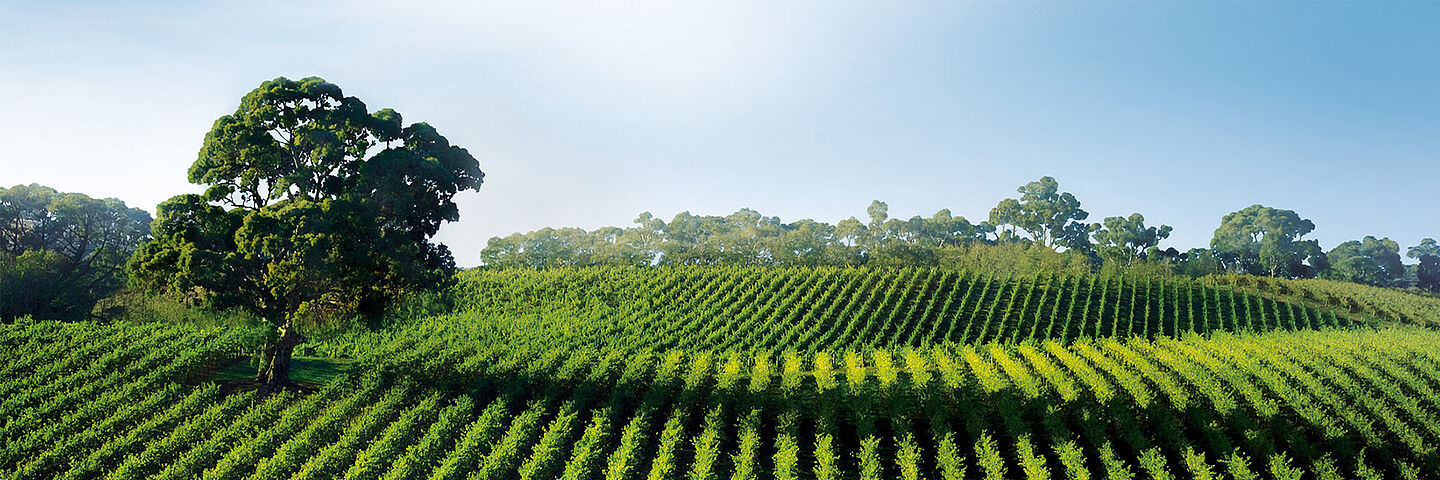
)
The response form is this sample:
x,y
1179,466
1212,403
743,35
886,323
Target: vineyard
x,y
732,309
757,374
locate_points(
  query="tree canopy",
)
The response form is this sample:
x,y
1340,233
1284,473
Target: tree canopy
x,y
745,237
1051,218
1427,273
315,210
1127,240
60,252
1260,240
1370,261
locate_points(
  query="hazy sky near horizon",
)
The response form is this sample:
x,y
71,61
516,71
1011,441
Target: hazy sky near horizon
x,y
585,114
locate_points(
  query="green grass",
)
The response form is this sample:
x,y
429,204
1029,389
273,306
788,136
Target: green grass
x,y
304,370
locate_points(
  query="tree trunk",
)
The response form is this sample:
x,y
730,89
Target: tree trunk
x,y
266,353
275,375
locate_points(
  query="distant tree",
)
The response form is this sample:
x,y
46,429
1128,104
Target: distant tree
x,y
1369,261
646,238
1260,240
875,235
547,247
749,238
507,251
614,246
809,243
316,210
1197,262
850,232
1051,218
879,212
745,237
61,252
1126,240
688,240
943,229
1427,273
1006,216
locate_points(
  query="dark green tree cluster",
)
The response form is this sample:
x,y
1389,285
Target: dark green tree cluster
x,y
1427,273
61,252
1370,261
315,211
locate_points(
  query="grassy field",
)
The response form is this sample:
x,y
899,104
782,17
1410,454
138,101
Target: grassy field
x,y
722,373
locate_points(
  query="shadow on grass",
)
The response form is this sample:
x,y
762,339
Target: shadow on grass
x,y
307,372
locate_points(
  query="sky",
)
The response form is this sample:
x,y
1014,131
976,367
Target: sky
x,y
588,113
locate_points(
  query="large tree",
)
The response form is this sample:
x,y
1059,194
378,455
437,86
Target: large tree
x,y
316,210
1260,240
1050,217
1427,273
1370,261
60,252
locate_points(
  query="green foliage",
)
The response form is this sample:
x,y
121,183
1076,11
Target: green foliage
x,y
82,400
1127,240
1198,262
1051,218
1341,298
744,238
1427,274
137,307
1282,470
949,460
770,310
1197,466
987,457
62,252
827,463
1031,463
1325,469
1370,261
707,446
1260,240
1073,460
315,209
1012,259
1115,468
1157,270
1153,462
787,448
1040,232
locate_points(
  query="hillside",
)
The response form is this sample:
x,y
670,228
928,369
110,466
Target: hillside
x,y
742,373
814,309
1357,300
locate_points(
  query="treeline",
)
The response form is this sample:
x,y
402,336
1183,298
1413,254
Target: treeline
x,y
1042,230
61,253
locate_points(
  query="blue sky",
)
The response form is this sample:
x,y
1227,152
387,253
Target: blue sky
x,y
585,115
